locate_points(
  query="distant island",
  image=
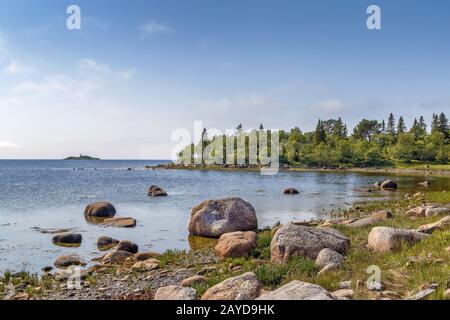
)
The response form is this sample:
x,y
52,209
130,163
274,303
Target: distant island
x,y
81,157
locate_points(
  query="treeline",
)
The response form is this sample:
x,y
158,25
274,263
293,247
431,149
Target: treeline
x,y
371,143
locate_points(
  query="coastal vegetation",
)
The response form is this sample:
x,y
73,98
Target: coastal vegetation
x,y
81,157
372,143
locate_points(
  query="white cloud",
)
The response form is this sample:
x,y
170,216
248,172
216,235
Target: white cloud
x,y
88,65
126,74
332,105
8,145
244,101
17,68
151,28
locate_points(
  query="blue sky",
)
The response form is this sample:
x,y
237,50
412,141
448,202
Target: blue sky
x,y
138,70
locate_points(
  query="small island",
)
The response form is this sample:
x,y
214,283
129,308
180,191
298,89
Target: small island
x,y
81,157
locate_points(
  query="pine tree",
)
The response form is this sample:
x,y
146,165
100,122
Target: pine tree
x,y
261,127
390,129
320,133
339,129
383,126
443,125
239,127
423,125
415,130
435,123
401,128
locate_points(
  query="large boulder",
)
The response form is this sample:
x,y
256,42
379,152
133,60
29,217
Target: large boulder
x,y
100,210
386,239
120,222
243,287
292,240
106,243
297,290
212,218
438,225
67,239
128,246
236,244
175,293
67,261
155,191
388,184
374,218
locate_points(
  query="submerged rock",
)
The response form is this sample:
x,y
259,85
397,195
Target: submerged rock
x,y
100,210
236,244
67,239
388,184
106,243
291,191
386,239
155,191
212,218
291,240
120,222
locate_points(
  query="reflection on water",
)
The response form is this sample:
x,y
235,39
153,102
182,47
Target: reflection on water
x,y
52,195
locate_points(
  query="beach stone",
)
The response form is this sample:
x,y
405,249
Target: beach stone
x,y
155,191
343,293
100,210
236,244
328,256
438,225
386,239
175,293
142,256
106,243
128,246
328,268
374,218
243,287
298,290
189,282
120,222
146,265
428,211
374,286
421,295
291,191
65,261
388,184
292,240
116,256
212,218
67,238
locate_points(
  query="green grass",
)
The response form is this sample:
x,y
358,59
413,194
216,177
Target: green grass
x,y
416,165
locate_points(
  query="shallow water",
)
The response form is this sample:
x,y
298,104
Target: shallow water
x,y
53,194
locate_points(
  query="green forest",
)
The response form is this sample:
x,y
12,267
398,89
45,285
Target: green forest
x,y
371,143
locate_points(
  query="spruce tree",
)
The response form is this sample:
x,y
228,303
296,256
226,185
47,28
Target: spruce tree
x,y
390,129
401,128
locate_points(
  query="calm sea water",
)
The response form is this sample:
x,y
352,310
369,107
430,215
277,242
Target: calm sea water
x,y
53,194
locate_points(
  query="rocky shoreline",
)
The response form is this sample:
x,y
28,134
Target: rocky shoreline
x,y
407,239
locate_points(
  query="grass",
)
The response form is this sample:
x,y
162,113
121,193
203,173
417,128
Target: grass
x,y
416,165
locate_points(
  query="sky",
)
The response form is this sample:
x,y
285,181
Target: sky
x,y
138,70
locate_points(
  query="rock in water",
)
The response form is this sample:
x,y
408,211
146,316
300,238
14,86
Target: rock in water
x,y
212,218
236,244
175,293
385,239
106,243
291,191
155,191
67,239
389,184
67,261
243,287
120,222
127,246
297,290
292,240
116,256
100,210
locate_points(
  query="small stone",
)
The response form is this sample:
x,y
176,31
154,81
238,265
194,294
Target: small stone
x,y
345,284
106,243
67,238
189,282
291,191
100,210
142,256
390,294
128,246
175,293
120,222
344,293
328,268
155,191
146,265
243,287
66,261
374,286
116,256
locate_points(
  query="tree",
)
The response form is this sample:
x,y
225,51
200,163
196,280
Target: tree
x,y
435,123
401,127
261,127
320,133
383,126
239,127
390,129
404,149
366,129
443,125
339,129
